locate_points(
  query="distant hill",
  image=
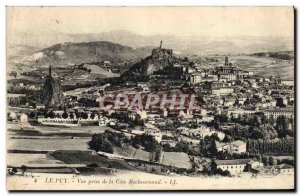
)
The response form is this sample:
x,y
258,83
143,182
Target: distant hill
x,y
285,55
86,52
185,45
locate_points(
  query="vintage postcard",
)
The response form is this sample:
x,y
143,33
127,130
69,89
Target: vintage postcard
x,y
150,98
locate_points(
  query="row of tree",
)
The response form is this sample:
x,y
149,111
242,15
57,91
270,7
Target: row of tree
x,y
271,147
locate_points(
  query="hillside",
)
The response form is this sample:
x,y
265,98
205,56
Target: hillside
x,y
95,69
85,52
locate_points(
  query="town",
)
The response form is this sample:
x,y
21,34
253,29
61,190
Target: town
x,y
241,124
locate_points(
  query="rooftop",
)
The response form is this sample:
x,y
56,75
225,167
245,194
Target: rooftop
x,y
232,162
238,143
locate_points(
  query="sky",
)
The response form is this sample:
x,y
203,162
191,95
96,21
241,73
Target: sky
x,y
183,21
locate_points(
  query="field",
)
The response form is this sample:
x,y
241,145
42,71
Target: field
x,y
48,144
265,66
133,153
177,159
77,157
95,69
18,159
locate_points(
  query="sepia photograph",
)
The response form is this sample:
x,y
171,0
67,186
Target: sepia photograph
x,y
150,98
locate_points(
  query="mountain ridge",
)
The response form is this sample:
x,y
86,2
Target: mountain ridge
x,y
86,52
192,44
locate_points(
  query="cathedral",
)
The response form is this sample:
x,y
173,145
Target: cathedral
x,y
52,92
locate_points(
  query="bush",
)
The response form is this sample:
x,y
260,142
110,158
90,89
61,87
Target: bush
x,y
52,114
219,171
226,173
65,115
146,141
99,143
93,165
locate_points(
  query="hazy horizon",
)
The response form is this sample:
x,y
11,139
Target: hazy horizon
x,y
44,26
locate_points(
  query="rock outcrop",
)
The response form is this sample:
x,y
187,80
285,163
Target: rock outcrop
x,y
159,59
52,92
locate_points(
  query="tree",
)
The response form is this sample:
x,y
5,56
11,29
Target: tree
x,y
219,171
65,115
265,160
264,119
271,120
51,114
215,137
45,113
72,115
24,169
255,133
99,143
93,115
157,154
32,115
87,102
213,149
256,121
227,139
208,147
272,161
182,146
146,141
259,158
281,126
268,132
152,170
84,115
166,147
226,173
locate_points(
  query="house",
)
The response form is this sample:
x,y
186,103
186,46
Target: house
x,y
236,147
239,147
222,91
229,102
221,146
288,82
23,118
103,121
172,143
233,166
12,116
190,69
285,169
195,78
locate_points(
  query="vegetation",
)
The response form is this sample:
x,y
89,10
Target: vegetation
x,y
208,147
282,146
106,141
145,140
277,55
100,143
219,171
81,157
